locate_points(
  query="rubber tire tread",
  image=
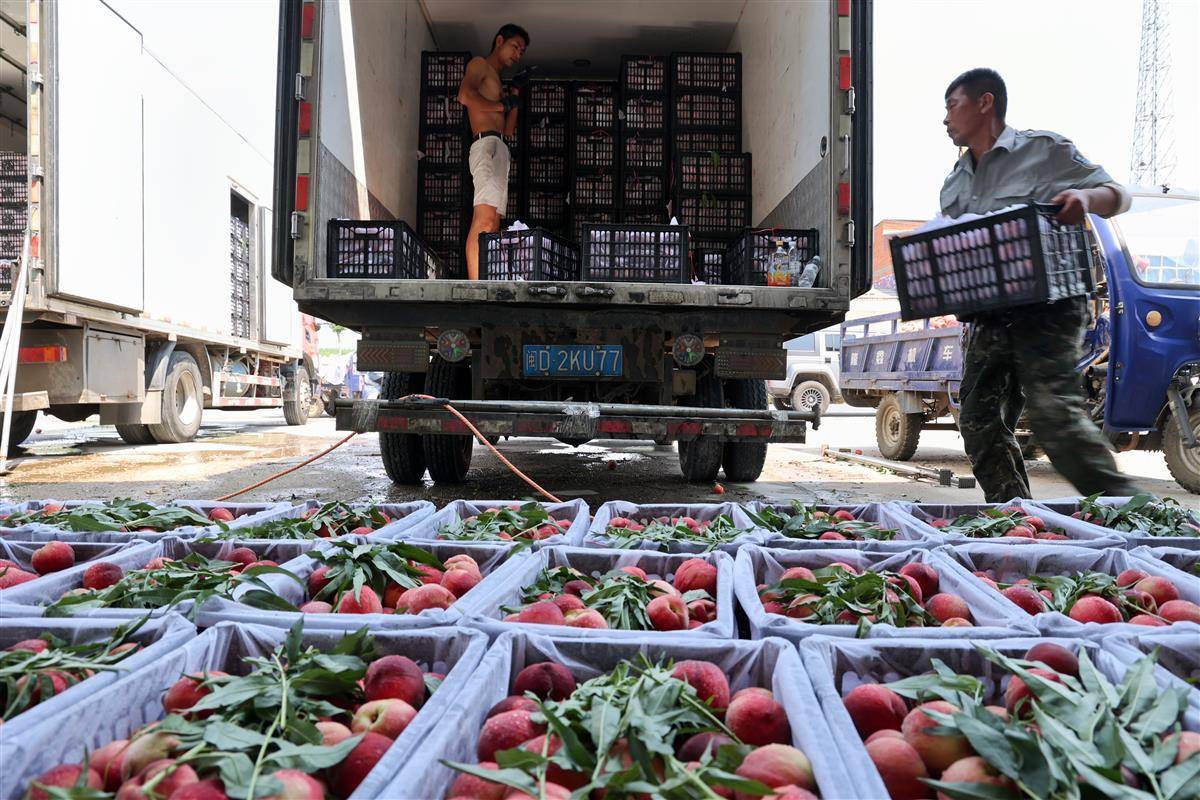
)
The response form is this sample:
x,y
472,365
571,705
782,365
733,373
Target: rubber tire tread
x,y
295,406
171,429
135,433
448,457
803,385
1173,451
23,423
910,431
700,459
743,461
403,453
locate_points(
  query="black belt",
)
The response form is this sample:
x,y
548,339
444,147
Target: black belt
x,y
485,134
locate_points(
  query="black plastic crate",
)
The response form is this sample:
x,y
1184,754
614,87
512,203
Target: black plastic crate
x,y
719,173
708,213
442,186
715,72
644,152
442,72
377,249
6,275
643,74
644,113
14,190
595,149
13,165
13,218
709,260
549,169
590,216
748,258
452,260
531,255
547,207
548,136
643,189
442,227
442,111
444,147
594,189
11,244
656,215
1020,257
594,105
696,110
548,97
718,141
635,253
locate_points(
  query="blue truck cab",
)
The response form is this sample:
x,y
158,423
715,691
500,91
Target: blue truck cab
x,y
1140,369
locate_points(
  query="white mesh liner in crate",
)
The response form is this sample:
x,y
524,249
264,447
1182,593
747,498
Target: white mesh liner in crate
x,y
1060,510
244,514
701,512
906,538
916,517
575,510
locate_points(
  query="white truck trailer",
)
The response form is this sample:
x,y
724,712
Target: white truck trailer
x,y
149,135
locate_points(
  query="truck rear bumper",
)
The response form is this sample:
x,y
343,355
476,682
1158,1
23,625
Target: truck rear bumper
x,y
574,421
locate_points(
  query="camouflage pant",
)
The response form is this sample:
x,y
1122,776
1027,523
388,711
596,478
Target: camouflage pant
x,y
1027,356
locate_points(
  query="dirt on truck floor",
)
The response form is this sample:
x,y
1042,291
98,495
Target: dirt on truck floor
x,y
236,449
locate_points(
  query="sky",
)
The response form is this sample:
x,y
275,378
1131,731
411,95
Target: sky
x,y
1070,67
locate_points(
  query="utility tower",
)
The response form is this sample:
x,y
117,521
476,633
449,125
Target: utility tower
x,y
1152,161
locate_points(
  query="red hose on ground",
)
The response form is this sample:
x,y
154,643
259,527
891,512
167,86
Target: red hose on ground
x,y
341,442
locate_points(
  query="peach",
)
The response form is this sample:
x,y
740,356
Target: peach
x,y
756,717
1179,611
548,746
708,680
1142,601
884,733
1054,656
14,576
542,612
936,751
958,622
1189,744
702,611
176,777
101,575
513,702
1091,608
568,602
333,732
366,601
187,691
219,514
696,573
1025,599
470,787
778,765
977,771
844,515
297,785
853,570
318,580
460,581
504,732
64,776
388,717
668,613
429,574
923,574
208,789
698,744
461,561
547,680
1131,576
242,555
395,676
1021,531
636,572
790,792
107,762
425,596
797,573
52,557
361,760
901,768
585,618
548,791
873,707
1017,695
908,584
577,587
146,748
316,607
944,606
1147,620
832,536
32,645
1158,587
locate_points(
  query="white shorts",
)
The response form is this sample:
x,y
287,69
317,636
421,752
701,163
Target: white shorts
x,y
489,160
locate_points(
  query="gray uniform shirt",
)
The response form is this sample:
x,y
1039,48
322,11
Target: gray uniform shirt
x,y
1021,165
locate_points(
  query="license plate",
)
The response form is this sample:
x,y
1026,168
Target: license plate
x,y
574,360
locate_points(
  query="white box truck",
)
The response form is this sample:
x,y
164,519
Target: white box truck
x,y
149,133
695,357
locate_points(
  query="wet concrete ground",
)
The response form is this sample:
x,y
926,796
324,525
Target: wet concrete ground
x,y
236,449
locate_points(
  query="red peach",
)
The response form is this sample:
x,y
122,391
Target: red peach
x,y
1054,656
756,717
365,602
316,607
32,645
568,602
333,732
388,717
1131,576
698,744
361,760
668,613
958,622
63,776
1147,620
923,574
1189,744
938,752
513,702
1025,599
577,587
585,618
901,768
977,772
944,606
696,573
1018,695
220,514
460,581
425,596
395,676
504,732
873,707
797,573
1179,611
542,612
297,785
317,580
636,572
778,765
107,761
844,515
101,575
14,576
545,679
884,734
52,557
242,555
1158,587
708,680
1091,608
187,691
429,574
702,611
470,787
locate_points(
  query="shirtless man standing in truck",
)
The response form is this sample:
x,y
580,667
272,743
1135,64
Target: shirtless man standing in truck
x,y
493,113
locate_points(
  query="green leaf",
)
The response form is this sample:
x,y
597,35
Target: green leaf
x,y
989,741
1181,780
310,757
227,736
513,778
972,791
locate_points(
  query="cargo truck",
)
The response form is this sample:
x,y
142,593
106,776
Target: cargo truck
x,y
148,197
677,361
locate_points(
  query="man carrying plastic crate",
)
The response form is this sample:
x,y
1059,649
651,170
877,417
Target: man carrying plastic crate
x,y
493,115
1026,349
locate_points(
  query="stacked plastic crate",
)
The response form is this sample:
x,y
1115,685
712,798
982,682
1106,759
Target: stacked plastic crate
x,y
594,171
443,183
643,143
711,179
14,207
545,148
240,319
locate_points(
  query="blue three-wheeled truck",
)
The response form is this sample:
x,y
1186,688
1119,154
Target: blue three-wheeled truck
x,y
1141,365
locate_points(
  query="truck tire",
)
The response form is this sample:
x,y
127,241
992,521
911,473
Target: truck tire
x,y
743,461
403,453
700,458
448,457
896,432
182,401
135,433
297,394
810,394
22,426
1182,461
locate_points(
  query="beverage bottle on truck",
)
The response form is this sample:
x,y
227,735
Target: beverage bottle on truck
x,y
809,276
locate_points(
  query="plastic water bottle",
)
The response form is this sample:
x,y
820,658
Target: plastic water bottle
x,y
777,272
794,266
809,276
